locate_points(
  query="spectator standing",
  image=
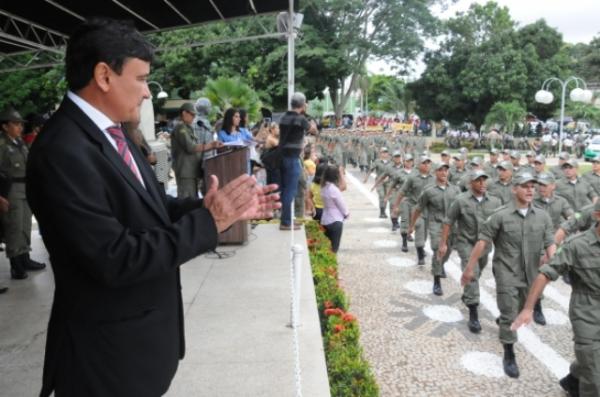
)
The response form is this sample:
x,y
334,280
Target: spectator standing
x,y
292,128
334,208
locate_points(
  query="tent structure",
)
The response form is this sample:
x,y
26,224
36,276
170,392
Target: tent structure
x,y
34,33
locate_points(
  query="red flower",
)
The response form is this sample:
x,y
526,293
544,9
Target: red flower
x,y
338,328
328,304
334,312
348,317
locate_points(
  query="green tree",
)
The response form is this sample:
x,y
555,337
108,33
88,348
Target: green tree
x,y
228,92
506,114
387,94
582,112
585,60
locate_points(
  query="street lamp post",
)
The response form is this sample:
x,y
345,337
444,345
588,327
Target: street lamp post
x,y
162,93
577,95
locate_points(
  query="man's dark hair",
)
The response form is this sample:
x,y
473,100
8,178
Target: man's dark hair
x,y
228,120
103,40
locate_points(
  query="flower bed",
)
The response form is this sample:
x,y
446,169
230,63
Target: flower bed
x,y
349,373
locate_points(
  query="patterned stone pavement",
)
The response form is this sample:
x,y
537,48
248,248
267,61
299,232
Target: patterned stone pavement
x,y
417,343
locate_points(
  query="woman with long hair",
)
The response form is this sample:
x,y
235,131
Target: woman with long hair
x,y
334,208
230,130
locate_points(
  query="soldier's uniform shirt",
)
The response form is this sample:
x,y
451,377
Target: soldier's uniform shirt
x,y
467,214
397,181
17,221
518,242
557,207
528,168
380,167
501,190
578,193
579,257
186,161
557,171
582,220
455,175
411,190
594,180
433,204
491,170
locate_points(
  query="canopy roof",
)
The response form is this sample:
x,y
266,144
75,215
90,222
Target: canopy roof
x,y
43,26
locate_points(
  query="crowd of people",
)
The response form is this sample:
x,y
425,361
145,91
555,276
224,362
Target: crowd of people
x,y
523,209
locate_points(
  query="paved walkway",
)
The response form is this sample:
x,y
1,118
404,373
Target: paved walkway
x,y
417,343
236,316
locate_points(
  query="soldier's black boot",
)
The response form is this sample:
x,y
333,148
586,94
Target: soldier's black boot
x,y
382,213
538,316
395,224
17,270
474,325
437,286
570,384
420,256
510,362
404,242
30,264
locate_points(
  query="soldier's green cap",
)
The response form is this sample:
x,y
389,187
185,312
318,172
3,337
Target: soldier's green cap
x,y
476,160
441,165
384,149
188,107
540,159
505,151
478,174
463,150
515,154
408,157
524,178
10,114
530,153
546,178
570,163
397,153
457,156
445,153
423,159
494,151
564,156
505,165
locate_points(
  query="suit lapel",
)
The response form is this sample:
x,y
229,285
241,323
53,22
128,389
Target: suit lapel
x,y
111,154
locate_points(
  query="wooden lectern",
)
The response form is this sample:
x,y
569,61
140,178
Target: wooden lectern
x,y
229,163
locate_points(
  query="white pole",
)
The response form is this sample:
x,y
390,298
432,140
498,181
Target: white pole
x,y
562,115
291,49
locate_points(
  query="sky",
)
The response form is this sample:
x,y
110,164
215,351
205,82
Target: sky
x,y
577,20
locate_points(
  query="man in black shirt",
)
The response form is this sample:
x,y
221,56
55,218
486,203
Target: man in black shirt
x,y
292,127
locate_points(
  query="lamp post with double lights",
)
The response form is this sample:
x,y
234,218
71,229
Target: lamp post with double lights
x,y
577,95
162,94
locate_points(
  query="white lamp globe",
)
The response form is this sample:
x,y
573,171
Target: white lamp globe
x,y
587,96
577,95
541,97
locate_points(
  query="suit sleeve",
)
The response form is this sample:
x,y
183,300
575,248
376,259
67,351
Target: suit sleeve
x,y
77,216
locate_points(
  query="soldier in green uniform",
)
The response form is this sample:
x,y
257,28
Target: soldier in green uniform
x,y
186,152
519,231
577,191
388,177
466,216
593,177
420,144
17,221
502,187
529,166
413,187
476,164
445,156
396,183
557,170
490,166
380,167
433,203
539,166
515,159
458,169
578,257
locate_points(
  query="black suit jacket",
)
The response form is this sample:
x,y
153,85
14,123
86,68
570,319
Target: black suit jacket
x,y
116,326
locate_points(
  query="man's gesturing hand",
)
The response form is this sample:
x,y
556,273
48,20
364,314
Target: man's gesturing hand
x,y
240,199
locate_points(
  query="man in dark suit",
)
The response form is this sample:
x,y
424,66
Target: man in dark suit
x,y
114,239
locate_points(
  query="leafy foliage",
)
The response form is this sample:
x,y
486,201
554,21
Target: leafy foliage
x,y
506,114
225,93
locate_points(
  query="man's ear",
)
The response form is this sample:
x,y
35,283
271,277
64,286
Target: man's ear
x,y
102,75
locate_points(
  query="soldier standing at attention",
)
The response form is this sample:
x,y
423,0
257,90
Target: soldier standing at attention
x,y
17,221
412,189
434,203
380,167
468,212
187,153
576,190
519,231
502,187
593,177
578,257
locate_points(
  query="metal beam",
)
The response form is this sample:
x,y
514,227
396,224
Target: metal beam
x,y
167,2
223,41
217,9
135,14
30,34
65,9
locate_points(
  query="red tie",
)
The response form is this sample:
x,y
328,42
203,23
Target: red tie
x,y
117,134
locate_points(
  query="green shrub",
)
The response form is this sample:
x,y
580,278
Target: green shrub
x,y
349,373
437,147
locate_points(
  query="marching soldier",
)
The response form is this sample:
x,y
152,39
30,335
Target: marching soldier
x,y
380,166
578,257
557,170
434,203
502,187
398,179
468,212
519,231
593,177
458,170
17,221
576,190
539,166
490,166
387,178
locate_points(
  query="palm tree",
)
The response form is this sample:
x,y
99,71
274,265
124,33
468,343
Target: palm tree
x,y
505,114
224,93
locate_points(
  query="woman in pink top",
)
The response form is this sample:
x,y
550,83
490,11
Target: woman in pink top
x,y
334,209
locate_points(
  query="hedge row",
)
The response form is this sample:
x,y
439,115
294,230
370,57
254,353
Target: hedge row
x,y
349,373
